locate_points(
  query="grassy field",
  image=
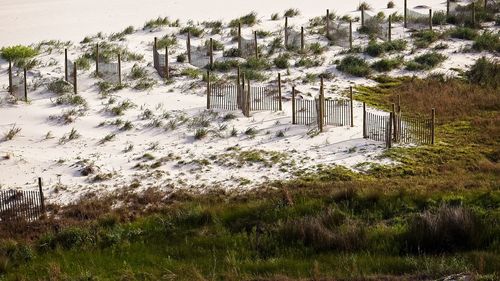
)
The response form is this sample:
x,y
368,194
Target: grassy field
x,y
434,213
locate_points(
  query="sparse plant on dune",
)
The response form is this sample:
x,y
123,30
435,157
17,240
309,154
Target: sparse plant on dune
x,y
12,132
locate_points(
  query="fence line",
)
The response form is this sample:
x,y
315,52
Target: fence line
x,y
17,205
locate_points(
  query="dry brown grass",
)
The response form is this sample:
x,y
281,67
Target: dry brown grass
x,y
453,99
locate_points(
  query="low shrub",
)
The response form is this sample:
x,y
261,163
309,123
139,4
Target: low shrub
x,y
281,61
384,65
355,66
426,61
291,13
422,39
485,72
225,66
60,86
193,30
465,33
156,23
487,41
248,19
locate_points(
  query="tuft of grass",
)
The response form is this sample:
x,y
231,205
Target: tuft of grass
x,y
72,135
275,16
364,6
465,33
485,72
122,107
12,132
251,131
355,66
82,63
200,133
18,53
107,138
158,22
138,72
249,19
487,41
390,5
426,61
60,87
384,65
375,49
291,13
166,41
193,73
194,30
281,61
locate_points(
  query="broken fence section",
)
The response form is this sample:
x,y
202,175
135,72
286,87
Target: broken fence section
x,y
22,205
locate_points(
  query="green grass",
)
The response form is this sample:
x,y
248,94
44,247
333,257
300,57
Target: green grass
x,y
487,41
426,61
355,66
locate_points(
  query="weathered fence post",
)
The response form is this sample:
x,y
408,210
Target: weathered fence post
x,y
211,50
363,16
389,35
119,69
286,32
389,131
42,199
399,104
365,135
430,19
473,14
328,23
189,46
321,104
66,65
433,126
279,92
167,66
75,80
405,14
350,34
155,57
294,121
208,89
11,90
447,8
25,86
256,46
302,44
239,37
352,106
248,98
97,59
393,120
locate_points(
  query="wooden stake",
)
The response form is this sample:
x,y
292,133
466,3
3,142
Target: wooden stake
x,y
362,16
211,50
430,19
447,8
390,29
473,15
279,92
405,12
350,34
302,38
327,23
75,81
189,46
208,89
42,199
399,104
389,131
66,65
97,59
25,86
119,69
321,104
286,32
433,124
256,46
11,88
167,66
365,134
239,37
393,120
248,98
352,106
293,106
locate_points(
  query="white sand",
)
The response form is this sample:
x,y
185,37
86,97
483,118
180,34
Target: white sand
x,y
190,164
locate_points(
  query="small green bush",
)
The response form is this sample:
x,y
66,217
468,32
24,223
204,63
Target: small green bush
x,y
248,19
373,49
193,30
281,61
465,33
384,65
17,53
485,72
156,23
426,61
487,41
60,86
355,66
166,41
424,38
291,13
225,66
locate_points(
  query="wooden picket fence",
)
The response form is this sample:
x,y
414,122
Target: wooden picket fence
x,y
22,205
225,97
393,128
